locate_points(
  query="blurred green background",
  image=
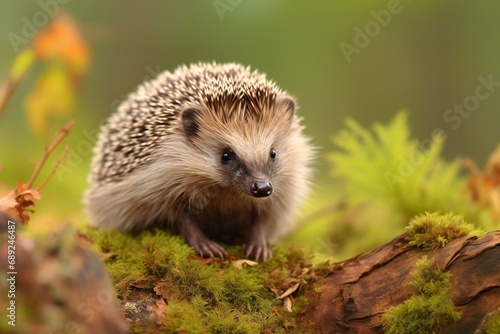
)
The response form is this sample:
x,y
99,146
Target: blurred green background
x,y
426,57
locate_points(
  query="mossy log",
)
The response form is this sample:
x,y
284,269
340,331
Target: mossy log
x,y
73,291
358,292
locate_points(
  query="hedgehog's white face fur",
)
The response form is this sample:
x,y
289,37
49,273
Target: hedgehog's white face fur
x,y
216,146
245,152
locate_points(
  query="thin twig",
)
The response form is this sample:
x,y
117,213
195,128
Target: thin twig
x,y
63,133
59,161
7,89
5,95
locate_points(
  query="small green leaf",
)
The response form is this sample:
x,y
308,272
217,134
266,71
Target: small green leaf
x,y
22,64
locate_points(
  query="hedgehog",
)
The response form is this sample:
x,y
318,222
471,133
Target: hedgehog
x,y
215,151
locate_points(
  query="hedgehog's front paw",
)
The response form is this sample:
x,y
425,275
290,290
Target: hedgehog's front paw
x,y
257,250
208,248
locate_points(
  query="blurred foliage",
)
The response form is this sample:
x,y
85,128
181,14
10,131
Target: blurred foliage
x,y
64,57
385,177
388,168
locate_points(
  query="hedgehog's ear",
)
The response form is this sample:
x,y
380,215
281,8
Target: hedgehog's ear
x,y
190,118
286,104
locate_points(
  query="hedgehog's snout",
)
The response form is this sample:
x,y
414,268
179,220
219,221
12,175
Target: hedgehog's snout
x,y
262,188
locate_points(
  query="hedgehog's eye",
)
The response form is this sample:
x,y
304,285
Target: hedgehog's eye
x,y
227,155
272,154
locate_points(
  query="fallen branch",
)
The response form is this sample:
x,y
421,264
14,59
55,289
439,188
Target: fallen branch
x,y
354,298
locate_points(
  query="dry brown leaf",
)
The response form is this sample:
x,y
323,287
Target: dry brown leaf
x,y
17,203
161,290
160,310
204,260
275,291
26,193
142,283
239,263
275,272
288,303
289,286
25,198
8,201
484,187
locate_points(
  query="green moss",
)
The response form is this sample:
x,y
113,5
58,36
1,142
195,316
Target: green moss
x,y
183,315
491,324
435,230
429,309
204,298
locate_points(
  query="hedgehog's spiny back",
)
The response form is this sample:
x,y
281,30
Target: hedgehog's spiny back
x,y
132,135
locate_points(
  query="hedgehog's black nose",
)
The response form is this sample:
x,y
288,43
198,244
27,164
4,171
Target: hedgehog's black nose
x,y
262,189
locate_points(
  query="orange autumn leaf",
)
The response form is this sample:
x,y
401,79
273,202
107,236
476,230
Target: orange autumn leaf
x,y
62,41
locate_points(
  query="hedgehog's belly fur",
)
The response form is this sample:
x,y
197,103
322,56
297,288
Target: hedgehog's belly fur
x,y
229,221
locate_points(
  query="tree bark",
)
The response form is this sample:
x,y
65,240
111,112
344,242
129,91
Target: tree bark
x,y
361,289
